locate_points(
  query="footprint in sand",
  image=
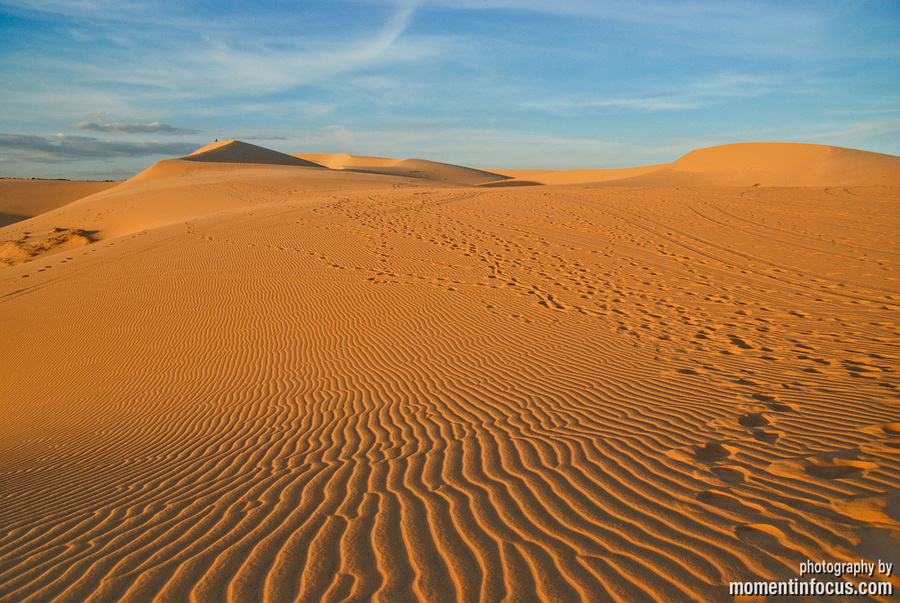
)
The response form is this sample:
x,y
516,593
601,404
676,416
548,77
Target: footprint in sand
x,y
761,535
688,371
723,500
711,452
836,468
767,398
781,407
885,439
892,429
769,437
843,465
730,474
753,419
740,343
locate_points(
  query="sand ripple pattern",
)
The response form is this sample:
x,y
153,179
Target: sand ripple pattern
x,y
539,394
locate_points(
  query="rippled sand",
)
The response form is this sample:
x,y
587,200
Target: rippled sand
x,y
281,382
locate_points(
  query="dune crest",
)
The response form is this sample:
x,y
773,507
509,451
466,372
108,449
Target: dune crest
x,y
343,160
235,151
777,164
421,169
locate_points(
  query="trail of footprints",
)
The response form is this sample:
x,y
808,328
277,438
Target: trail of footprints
x,y
384,475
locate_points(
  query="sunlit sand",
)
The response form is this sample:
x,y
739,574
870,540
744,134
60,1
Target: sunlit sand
x,y
250,376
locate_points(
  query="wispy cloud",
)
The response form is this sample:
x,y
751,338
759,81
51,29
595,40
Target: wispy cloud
x,y
687,96
73,8
871,130
64,147
405,77
172,53
644,104
134,128
264,137
227,66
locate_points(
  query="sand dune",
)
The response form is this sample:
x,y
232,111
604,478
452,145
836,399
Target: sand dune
x,y
411,168
744,164
341,161
433,171
295,383
236,151
775,164
230,176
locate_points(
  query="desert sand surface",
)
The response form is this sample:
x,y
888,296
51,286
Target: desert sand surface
x,y
263,380
21,198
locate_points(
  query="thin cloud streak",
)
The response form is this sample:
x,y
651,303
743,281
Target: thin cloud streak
x,y
185,65
134,128
64,148
174,57
268,71
849,133
694,95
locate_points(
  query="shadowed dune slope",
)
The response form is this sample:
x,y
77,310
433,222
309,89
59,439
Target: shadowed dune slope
x,y
433,171
449,394
413,168
235,151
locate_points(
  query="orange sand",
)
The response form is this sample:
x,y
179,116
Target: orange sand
x,y
263,381
23,199
746,165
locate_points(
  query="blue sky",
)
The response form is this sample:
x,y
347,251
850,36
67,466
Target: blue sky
x,y
101,89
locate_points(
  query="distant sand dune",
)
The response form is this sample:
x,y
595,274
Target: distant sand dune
x,y
412,168
235,151
174,190
776,164
290,383
744,164
342,160
437,172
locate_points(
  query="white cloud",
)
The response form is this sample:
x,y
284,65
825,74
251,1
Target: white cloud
x,y
872,131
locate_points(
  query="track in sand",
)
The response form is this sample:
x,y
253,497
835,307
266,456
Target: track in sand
x,y
382,388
